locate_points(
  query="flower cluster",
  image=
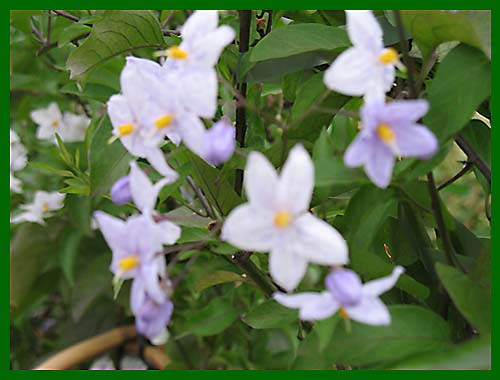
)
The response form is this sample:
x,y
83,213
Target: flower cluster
x,y
169,100
18,160
388,131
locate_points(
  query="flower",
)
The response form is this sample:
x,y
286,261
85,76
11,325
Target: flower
x,y
346,294
193,61
70,127
41,208
152,317
366,69
104,363
276,219
388,131
18,160
120,191
219,143
131,113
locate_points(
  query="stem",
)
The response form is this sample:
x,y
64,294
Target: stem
x,y
201,197
269,21
241,122
474,158
242,259
49,28
461,173
66,15
35,31
406,56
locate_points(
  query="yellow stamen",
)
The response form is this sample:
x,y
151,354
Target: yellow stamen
x,y
164,121
175,52
125,129
282,219
385,133
128,263
55,123
389,57
45,207
343,313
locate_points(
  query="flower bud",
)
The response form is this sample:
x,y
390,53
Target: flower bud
x,y
151,318
345,286
120,192
219,143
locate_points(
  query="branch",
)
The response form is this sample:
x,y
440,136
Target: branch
x,y
474,158
66,15
202,198
242,259
457,176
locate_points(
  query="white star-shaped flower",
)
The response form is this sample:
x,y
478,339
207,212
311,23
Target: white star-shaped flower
x,y
276,219
42,207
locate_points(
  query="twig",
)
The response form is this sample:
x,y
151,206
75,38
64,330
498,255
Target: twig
x,y
406,56
167,19
49,28
462,172
66,15
185,247
242,259
269,21
208,208
474,158
35,31
429,64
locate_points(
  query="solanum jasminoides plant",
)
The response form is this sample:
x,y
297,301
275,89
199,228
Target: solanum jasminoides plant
x,y
261,189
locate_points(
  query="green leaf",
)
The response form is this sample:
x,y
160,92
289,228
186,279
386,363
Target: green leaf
x,y
461,84
68,254
299,38
471,300
107,162
431,28
217,277
71,32
116,33
217,316
413,330
270,314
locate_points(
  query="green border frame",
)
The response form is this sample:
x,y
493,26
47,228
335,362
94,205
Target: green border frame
x,y
224,4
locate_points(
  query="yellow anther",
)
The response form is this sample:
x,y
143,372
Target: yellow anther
x,y
175,52
55,123
385,133
45,207
389,56
128,263
164,121
282,219
125,129
343,313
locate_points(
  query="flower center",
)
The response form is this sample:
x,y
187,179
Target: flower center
x,y
125,129
55,123
343,313
164,121
385,133
282,219
389,56
175,52
45,207
128,263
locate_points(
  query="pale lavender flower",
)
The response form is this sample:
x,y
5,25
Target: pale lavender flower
x,y
120,192
42,207
219,143
347,295
389,131
151,318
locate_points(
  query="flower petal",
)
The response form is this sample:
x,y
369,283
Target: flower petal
x,y
416,141
200,23
249,228
119,111
318,242
157,160
353,73
296,181
403,112
261,181
192,132
380,164
113,230
144,193
168,232
286,268
209,48
198,91
377,287
313,306
371,311
364,30
358,152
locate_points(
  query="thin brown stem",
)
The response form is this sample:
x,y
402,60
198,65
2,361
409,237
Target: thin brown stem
x,y
457,176
66,15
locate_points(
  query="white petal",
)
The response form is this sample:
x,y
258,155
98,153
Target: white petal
x,y
358,152
46,131
113,230
209,48
200,23
377,287
119,111
141,188
286,268
371,311
296,181
168,232
318,242
192,131
157,160
249,228
364,30
261,181
198,91
353,73
313,306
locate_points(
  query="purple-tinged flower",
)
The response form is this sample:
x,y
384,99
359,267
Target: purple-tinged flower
x,y
347,295
219,143
120,192
151,318
389,131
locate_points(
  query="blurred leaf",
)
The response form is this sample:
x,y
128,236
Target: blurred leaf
x,y
462,82
20,19
68,253
71,32
431,28
107,162
472,300
116,33
217,277
270,314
